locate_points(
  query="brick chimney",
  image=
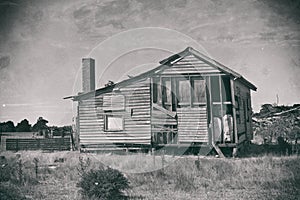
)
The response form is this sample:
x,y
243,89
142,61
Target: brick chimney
x,y
88,75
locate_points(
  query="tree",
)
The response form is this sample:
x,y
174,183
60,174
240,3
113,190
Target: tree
x,y
23,126
7,126
41,127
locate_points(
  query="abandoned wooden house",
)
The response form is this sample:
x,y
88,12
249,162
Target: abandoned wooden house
x,y
188,100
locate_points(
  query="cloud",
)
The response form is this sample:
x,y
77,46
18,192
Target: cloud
x,y
8,3
46,39
4,61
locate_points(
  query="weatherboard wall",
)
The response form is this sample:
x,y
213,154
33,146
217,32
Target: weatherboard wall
x,y
135,114
190,65
192,125
243,112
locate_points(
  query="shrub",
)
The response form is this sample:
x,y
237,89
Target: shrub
x,y
185,181
5,173
10,192
7,168
103,184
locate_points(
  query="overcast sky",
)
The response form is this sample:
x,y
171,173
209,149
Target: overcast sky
x,y
42,43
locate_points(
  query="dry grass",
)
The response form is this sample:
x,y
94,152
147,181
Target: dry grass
x,y
266,177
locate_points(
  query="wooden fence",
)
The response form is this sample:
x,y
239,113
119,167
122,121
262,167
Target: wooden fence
x,y
47,144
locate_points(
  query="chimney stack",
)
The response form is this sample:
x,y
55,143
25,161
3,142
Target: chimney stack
x,y
88,75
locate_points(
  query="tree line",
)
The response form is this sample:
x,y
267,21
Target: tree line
x,y
39,126
22,126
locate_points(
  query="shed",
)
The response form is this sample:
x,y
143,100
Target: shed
x,y
188,100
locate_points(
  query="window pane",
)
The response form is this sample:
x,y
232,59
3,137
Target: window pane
x,y
216,111
156,91
166,93
184,91
114,123
199,91
226,90
215,89
227,109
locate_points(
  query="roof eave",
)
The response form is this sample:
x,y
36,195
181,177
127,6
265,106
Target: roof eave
x,y
221,67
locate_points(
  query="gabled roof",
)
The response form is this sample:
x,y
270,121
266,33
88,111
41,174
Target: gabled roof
x,y
166,63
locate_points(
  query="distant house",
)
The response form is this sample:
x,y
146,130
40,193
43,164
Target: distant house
x,y
188,100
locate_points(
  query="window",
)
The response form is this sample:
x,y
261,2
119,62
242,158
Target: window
x,y
113,102
157,91
217,110
249,112
166,93
225,88
220,87
215,89
198,91
173,92
184,95
114,123
237,107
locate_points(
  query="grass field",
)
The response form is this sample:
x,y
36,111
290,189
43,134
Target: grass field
x,y
186,177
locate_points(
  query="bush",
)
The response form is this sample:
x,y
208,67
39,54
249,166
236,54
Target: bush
x,y
103,184
10,192
6,169
5,173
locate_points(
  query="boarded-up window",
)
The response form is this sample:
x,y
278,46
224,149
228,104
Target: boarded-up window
x,y
198,91
184,92
113,102
114,123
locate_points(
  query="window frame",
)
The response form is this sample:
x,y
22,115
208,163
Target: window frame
x,y
192,83
106,116
189,102
166,93
159,90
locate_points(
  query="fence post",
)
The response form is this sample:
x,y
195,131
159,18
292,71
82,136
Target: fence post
x,y
17,145
36,161
60,143
163,160
197,163
20,172
38,143
153,153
